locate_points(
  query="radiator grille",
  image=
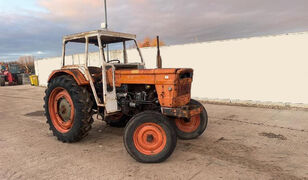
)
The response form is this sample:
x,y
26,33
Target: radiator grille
x,y
184,89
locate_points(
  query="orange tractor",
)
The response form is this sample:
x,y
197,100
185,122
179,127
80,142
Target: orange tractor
x,y
154,105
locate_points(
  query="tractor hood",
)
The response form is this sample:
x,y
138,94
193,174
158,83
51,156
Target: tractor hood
x,y
155,71
150,76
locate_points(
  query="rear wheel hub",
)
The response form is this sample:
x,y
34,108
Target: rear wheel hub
x,y
64,109
61,109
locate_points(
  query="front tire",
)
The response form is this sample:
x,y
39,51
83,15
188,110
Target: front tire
x,y
193,127
149,137
68,108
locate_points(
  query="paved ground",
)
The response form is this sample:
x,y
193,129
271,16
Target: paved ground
x,y
240,143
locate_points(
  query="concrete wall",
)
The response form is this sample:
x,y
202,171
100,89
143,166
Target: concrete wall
x,y
273,68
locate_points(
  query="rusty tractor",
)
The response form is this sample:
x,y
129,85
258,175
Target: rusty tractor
x,y
154,105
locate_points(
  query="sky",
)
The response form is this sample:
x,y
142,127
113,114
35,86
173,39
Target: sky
x,y
36,27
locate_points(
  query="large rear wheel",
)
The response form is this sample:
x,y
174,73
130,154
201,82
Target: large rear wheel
x,y
193,127
149,137
68,108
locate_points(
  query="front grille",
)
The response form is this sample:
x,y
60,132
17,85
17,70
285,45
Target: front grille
x,y
184,89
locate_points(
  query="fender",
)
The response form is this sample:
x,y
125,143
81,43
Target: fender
x,y
75,73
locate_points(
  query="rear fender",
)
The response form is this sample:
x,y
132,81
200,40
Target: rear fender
x,y
79,77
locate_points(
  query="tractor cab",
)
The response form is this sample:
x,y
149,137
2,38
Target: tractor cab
x,y
14,68
103,41
112,48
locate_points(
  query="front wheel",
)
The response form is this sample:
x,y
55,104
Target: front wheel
x,y
193,127
149,137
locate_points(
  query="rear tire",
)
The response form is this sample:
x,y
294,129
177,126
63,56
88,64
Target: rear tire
x,y
68,108
194,127
149,137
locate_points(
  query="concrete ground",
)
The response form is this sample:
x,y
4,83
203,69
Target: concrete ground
x,y
239,143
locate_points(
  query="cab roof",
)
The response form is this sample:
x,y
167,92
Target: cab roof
x,y
106,37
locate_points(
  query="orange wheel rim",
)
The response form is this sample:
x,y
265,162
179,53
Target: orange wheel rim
x,y
188,126
61,109
150,138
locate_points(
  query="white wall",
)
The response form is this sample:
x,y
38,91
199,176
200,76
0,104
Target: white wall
x,y
273,68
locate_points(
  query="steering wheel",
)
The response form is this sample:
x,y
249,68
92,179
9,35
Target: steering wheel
x,y
114,60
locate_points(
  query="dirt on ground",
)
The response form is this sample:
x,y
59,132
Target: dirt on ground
x,y
239,143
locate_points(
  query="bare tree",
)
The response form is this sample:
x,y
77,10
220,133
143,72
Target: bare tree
x,y
148,42
27,62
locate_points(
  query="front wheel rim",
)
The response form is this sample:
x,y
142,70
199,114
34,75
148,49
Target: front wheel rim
x,y
61,109
188,126
150,138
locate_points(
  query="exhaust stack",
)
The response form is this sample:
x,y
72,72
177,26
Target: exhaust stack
x,y
158,60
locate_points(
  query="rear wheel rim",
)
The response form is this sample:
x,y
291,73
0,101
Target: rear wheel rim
x,y
61,109
150,138
188,126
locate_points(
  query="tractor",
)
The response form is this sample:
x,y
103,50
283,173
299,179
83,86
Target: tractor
x,y
154,105
9,73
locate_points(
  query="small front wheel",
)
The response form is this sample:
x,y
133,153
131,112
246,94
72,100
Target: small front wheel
x,y
149,137
193,127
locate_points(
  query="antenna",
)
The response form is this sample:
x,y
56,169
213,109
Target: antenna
x,y
106,19
106,27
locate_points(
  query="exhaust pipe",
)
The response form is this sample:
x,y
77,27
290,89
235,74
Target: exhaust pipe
x,y
158,60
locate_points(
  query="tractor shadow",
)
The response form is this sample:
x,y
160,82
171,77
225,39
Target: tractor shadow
x,y
36,113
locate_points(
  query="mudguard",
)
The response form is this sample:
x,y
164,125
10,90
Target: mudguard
x,y
75,73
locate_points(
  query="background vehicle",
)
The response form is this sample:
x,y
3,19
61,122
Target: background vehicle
x,y
154,104
13,74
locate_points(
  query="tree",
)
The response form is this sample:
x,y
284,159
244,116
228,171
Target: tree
x,y
27,62
148,42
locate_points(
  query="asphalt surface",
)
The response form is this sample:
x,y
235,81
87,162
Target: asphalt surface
x,y
239,143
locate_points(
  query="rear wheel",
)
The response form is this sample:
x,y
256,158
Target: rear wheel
x,y
193,127
149,137
68,109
